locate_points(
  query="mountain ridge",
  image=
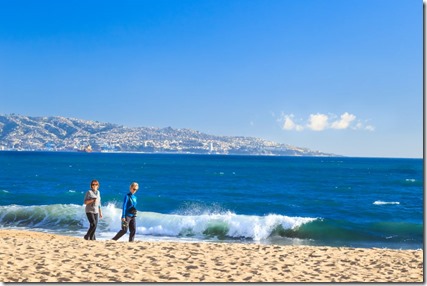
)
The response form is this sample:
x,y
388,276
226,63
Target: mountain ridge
x,y
57,133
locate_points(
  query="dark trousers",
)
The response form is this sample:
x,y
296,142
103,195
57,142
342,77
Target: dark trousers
x,y
131,222
93,222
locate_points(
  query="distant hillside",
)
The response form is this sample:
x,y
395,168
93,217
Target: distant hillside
x,y
19,132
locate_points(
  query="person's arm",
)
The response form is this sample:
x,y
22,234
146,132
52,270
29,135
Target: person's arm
x,y
99,207
89,201
124,207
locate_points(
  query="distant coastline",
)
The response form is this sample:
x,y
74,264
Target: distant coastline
x,y
26,133
168,153
204,154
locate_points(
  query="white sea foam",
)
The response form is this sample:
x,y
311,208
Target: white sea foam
x,y
73,218
385,203
231,224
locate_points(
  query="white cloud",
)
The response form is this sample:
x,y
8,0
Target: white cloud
x,y
361,126
320,122
289,123
344,122
370,128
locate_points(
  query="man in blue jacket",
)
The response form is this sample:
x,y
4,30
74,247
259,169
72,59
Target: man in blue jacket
x,y
129,213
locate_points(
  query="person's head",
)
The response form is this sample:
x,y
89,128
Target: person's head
x,y
94,184
134,187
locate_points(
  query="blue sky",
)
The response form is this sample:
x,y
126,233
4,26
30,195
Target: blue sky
x,y
339,76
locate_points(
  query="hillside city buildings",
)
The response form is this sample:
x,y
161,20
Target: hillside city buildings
x,y
19,132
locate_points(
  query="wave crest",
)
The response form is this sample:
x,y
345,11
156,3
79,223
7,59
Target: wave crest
x,y
225,225
385,203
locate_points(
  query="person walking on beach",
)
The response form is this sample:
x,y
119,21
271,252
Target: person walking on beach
x,y
129,213
93,209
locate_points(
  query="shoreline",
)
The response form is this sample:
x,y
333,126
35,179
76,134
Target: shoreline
x,y
214,154
42,257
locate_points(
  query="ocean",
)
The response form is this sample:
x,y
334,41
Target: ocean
x,y
321,201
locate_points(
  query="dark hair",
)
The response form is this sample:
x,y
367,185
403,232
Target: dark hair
x,y
94,181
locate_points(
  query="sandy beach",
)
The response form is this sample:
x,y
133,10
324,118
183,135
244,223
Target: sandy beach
x,y
40,257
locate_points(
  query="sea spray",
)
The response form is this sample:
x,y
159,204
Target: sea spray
x,y
220,225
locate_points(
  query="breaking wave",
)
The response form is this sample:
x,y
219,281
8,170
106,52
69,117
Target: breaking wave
x,y
225,225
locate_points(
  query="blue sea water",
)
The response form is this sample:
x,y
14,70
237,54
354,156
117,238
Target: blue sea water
x,y
332,201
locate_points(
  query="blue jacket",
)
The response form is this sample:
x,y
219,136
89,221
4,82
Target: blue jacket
x,y
130,201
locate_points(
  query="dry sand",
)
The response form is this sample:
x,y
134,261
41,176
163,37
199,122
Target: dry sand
x,y
39,257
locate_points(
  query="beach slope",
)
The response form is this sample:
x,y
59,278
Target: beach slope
x,y
40,257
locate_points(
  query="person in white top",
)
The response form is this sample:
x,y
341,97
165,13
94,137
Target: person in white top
x,y
93,209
